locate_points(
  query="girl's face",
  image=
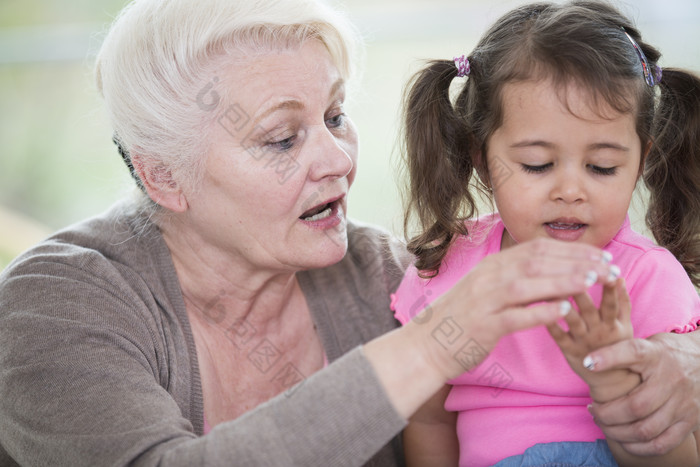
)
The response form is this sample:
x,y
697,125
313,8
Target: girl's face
x,y
560,173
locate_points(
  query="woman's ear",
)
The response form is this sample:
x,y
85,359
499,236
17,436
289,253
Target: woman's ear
x,y
159,183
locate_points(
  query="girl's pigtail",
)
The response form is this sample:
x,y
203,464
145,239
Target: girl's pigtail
x,y
672,170
437,158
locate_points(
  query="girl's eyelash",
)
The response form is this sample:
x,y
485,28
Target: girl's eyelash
x,y
603,170
538,169
535,169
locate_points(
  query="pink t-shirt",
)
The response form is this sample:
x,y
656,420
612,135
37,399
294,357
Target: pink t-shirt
x,y
524,392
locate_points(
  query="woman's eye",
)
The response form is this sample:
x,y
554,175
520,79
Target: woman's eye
x,y
602,170
536,169
282,145
336,120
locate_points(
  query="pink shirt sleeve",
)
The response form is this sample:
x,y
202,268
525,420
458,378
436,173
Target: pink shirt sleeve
x,y
410,298
663,297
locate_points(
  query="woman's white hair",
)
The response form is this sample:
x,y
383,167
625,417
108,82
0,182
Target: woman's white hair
x,y
159,55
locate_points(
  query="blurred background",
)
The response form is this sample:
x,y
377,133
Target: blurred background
x,y
58,164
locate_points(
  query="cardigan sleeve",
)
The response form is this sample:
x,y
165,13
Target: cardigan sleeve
x,y
83,382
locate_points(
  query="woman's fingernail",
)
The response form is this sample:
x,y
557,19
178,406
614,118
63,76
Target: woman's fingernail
x,y
589,363
607,257
564,307
591,278
614,273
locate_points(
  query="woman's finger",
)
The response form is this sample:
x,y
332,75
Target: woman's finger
x,y
661,444
525,290
519,318
542,247
552,257
648,403
631,354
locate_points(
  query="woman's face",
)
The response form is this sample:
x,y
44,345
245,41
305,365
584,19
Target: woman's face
x,y
282,158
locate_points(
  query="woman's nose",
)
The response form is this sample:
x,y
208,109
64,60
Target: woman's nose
x,y
330,157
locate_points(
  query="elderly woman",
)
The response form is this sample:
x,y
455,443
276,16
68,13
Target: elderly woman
x,y
232,314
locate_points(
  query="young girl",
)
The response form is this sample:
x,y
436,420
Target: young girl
x,y
561,109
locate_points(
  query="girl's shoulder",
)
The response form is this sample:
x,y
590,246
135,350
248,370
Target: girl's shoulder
x,y
483,238
415,291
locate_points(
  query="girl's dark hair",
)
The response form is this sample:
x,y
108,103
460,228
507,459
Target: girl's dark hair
x,y
581,42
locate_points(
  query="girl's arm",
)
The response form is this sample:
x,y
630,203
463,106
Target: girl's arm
x,y
431,435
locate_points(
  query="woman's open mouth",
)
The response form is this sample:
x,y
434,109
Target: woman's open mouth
x,y
325,215
317,213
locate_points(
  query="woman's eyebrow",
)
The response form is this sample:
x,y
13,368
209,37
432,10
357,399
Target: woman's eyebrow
x,y
292,104
295,104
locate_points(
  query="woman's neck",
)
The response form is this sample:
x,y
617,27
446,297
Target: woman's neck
x,y
226,290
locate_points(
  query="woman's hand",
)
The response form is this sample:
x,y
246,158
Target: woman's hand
x,y
494,299
660,413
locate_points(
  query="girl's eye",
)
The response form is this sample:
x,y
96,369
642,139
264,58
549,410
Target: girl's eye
x,y
602,170
336,120
536,169
282,145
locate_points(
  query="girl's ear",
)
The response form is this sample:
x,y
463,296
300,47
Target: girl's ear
x,y
480,165
159,183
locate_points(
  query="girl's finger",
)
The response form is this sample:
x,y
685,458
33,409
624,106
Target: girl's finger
x,y
609,309
560,336
577,325
589,312
623,300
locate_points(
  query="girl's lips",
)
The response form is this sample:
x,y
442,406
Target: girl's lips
x,y
566,231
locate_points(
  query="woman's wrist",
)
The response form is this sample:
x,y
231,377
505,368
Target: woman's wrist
x,y
405,367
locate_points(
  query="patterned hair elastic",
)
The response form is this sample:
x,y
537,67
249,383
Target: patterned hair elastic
x,y
463,67
651,77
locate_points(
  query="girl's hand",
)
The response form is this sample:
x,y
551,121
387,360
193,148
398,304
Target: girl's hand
x,y
659,414
593,328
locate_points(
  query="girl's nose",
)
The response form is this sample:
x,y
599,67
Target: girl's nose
x,y
569,187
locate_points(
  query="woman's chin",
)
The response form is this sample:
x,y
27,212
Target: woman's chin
x,y
326,251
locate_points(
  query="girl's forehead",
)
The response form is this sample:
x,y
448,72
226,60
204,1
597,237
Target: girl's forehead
x,y
575,96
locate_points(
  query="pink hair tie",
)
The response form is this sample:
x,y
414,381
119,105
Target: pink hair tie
x,y
462,64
